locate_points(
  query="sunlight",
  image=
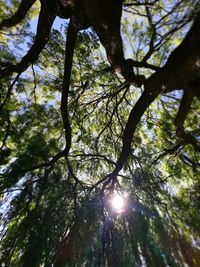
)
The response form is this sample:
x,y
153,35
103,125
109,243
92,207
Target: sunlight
x,y
118,203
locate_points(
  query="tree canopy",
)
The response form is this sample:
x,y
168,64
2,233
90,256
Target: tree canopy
x,y
70,142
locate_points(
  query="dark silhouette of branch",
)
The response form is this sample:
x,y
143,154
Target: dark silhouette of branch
x,y
180,72
172,76
183,111
70,45
35,83
9,91
168,151
153,36
136,64
19,15
181,68
93,156
190,162
137,3
45,21
134,118
84,15
7,130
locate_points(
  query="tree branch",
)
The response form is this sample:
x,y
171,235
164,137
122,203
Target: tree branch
x,y
134,118
45,22
19,15
183,111
181,69
70,44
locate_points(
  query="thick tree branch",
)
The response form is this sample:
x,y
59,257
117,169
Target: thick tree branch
x,y
134,118
183,111
182,67
137,64
19,15
174,75
70,45
45,22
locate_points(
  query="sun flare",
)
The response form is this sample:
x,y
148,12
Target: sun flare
x,y
118,203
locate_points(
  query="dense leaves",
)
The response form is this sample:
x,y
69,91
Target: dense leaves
x,y
56,208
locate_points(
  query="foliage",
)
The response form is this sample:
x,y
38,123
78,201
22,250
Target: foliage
x,y
55,207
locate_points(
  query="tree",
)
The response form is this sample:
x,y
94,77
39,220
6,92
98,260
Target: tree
x,y
71,142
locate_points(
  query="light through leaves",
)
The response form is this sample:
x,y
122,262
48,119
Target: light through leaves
x,y
118,204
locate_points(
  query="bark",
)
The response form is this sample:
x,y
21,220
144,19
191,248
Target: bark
x,y
45,21
69,51
183,111
182,69
19,15
134,118
103,16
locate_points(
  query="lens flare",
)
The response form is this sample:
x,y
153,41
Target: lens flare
x,y
118,204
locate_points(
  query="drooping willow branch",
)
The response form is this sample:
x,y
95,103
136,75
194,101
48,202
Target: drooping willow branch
x,y
135,115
